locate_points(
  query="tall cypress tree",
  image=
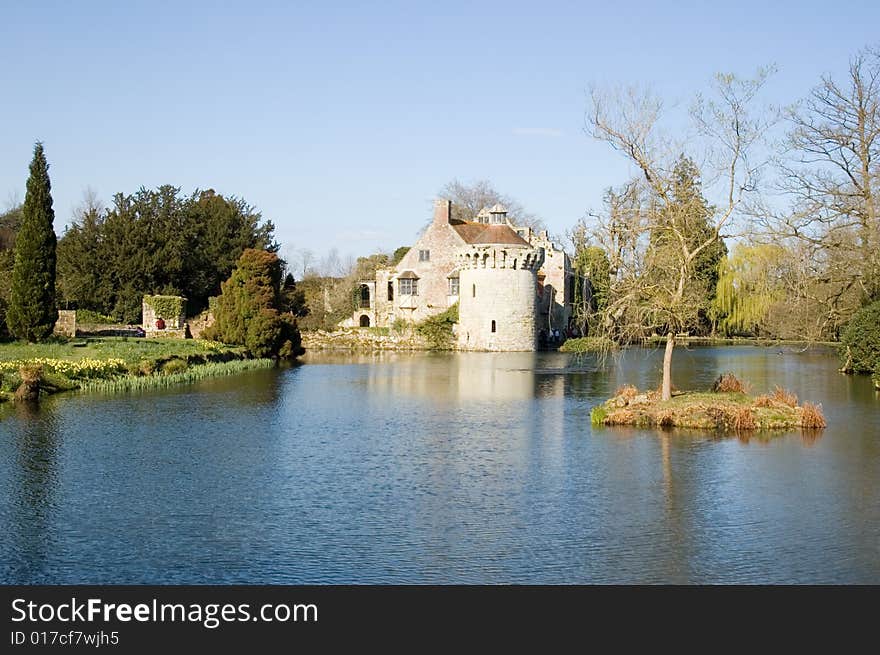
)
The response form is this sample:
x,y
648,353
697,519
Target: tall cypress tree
x,y
32,312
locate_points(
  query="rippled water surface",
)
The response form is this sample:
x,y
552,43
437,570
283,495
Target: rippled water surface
x,y
439,468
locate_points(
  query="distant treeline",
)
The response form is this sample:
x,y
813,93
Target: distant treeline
x,y
153,241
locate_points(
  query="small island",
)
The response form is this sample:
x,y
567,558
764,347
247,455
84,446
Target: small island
x,y
726,407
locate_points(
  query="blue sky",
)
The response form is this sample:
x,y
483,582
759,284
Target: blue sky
x,y
341,121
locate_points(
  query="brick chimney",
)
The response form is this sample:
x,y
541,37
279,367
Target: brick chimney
x,y
442,212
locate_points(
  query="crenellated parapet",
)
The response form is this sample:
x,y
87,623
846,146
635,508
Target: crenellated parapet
x,y
500,257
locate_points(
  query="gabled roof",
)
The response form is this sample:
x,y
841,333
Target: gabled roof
x,y
407,274
476,233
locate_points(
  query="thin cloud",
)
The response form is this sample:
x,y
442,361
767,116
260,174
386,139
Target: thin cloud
x,y
537,131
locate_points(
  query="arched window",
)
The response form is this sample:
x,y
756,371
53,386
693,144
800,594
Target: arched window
x,y
493,327
365,321
365,297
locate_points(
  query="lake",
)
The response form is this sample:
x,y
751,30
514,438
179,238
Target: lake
x,y
441,468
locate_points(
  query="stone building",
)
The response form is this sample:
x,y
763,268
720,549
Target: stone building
x,y
509,282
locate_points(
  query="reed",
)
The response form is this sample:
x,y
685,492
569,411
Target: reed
x,y
812,416
159,381
784,396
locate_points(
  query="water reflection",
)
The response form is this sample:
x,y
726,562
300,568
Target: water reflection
x,y
440,468
36,477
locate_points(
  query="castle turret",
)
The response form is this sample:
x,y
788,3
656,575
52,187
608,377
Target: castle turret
x,y
497,296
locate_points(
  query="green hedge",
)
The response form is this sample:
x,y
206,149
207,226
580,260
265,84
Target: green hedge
x,y
860,343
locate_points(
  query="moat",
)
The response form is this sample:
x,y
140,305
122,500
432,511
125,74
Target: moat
x,y
441,468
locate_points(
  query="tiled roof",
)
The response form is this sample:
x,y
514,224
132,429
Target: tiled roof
x,y
407,274
474,233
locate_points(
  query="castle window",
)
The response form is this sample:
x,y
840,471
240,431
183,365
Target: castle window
x,y
391,291
474,291
493,327
424,255
365,297
453,286
409,287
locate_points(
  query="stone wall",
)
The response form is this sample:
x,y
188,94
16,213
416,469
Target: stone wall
x,y
363,340
65,326
200,323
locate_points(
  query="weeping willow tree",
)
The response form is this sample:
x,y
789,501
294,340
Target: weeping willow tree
x,y
747,289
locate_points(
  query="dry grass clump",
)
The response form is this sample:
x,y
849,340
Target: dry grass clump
x,y
763,401
743,419
665,418
30,373
718,417
627,391
620,417
784,396
812,416
729,383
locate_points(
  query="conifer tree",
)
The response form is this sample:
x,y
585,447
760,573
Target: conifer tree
x,y
32,312
249,308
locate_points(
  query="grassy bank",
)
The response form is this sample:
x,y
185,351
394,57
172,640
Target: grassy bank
x,y
726,409
118,364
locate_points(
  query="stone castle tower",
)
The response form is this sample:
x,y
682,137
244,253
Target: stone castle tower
x,y
498,293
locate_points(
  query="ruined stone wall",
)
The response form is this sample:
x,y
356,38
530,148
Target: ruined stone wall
x,y
65,326
175,326
198,324
357,340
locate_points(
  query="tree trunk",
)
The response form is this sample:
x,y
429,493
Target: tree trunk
x,y
666,392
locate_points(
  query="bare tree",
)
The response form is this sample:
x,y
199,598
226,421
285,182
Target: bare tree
x,y
330,264
469,198
13,200
90,207
831,173
302,262
648,212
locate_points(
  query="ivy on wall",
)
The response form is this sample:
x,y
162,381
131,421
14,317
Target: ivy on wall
x,y
166,306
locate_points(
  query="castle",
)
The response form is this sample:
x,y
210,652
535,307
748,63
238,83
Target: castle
x,y
513,286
